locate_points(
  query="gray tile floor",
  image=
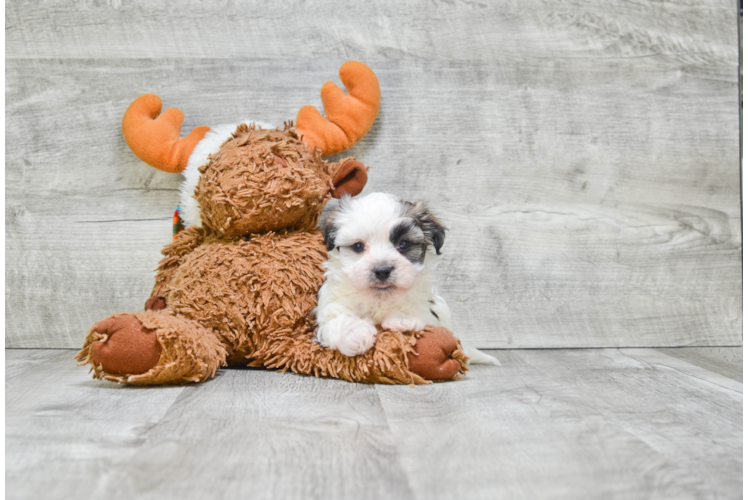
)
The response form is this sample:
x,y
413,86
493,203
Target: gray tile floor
x,y
603,423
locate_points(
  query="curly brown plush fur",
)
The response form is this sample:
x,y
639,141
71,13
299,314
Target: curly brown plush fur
x,y
276,183
241,288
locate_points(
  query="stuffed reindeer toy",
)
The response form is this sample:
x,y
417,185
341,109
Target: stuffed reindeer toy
x,y
238,285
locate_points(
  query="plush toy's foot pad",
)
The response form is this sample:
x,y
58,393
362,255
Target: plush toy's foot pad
x,y
435,353
125,346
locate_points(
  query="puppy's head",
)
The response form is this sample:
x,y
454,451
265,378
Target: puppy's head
x,y
381,242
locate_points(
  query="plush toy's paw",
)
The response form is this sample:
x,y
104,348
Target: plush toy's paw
x,y
399,322
151,348
125,347
155,304
349,335
434,357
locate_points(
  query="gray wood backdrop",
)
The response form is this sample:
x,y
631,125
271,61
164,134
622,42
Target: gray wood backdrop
x,y
584,154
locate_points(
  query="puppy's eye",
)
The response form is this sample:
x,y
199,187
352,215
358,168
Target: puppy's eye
x,y
357,247
403,246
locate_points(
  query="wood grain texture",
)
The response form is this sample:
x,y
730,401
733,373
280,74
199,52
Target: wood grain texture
x,y
745,287
20,362
583,156
260,435
67,432
727,361
563,424
571,424
698,373
417,29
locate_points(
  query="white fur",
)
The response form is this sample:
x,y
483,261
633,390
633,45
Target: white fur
x,y
350,304
479,358
350,335
189,208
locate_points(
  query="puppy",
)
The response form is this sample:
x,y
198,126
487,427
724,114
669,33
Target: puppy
x,y
382,255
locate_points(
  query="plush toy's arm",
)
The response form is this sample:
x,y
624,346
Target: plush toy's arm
x,y
395,358
185,243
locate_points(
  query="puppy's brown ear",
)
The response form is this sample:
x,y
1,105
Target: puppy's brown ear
x,y
350,178
429,224
327,224
329,231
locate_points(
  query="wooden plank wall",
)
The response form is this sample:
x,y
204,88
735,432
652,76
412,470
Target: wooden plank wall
x,y
584,154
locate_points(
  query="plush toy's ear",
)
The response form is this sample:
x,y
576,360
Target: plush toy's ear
x,y
155,139
349,116
350,179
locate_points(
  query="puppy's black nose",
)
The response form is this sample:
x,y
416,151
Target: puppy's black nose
x,y
382,272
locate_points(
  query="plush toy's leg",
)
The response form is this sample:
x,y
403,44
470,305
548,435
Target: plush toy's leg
x,y
396,358
437,355
151,348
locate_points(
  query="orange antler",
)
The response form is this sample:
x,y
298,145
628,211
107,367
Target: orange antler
x,y
155,139
349,116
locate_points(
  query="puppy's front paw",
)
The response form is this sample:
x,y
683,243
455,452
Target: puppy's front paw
x,y
351,336
358,339
403,323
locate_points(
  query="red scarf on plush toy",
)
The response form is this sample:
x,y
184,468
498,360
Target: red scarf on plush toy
x,y
176,224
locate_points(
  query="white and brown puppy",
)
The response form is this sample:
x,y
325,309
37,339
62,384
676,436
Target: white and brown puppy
x,y
382,254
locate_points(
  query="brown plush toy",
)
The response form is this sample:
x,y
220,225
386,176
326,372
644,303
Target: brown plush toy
x,y
239,283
